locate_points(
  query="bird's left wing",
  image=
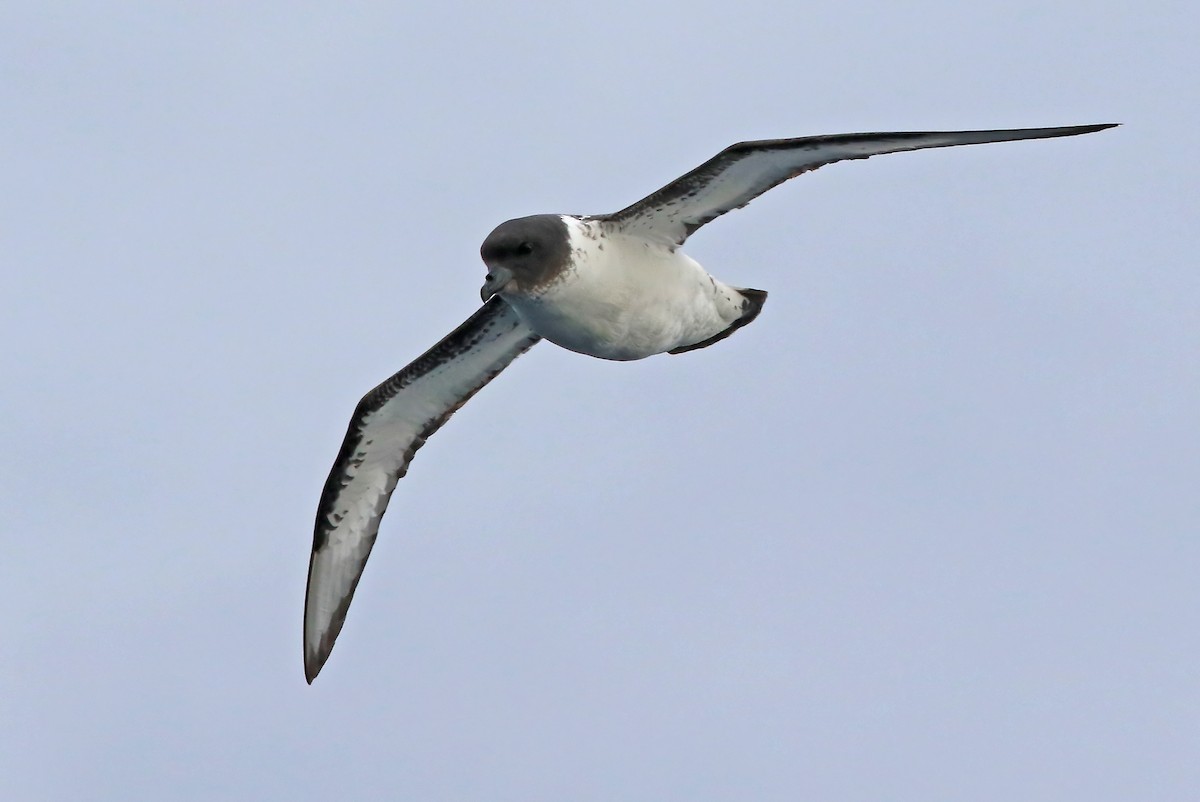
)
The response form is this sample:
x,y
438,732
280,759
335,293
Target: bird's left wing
x,y
390,423
742,172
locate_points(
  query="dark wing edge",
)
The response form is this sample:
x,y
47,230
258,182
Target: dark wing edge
x,y
742,172
389,424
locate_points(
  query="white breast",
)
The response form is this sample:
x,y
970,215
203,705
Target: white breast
x,y
624,297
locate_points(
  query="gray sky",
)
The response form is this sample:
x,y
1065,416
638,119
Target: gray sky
x,y
926,530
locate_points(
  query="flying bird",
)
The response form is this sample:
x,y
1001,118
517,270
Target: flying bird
x,y
613,286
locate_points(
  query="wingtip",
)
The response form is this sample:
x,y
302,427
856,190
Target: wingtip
x,y
316,654
1075,130
313,663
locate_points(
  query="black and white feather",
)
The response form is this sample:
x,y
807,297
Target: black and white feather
x,y
389,425
611,286
742,172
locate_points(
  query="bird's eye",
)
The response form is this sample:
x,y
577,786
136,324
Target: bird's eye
x,y
525,248
488,277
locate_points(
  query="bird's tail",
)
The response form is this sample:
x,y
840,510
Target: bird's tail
x,y
752,304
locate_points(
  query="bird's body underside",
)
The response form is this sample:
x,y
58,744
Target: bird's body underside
x,y
623,297
613,286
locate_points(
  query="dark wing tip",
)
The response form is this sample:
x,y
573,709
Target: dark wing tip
x,y
318,645
317,653
1091,129
313,663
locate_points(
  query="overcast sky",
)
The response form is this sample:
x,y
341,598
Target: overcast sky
x,y
926,530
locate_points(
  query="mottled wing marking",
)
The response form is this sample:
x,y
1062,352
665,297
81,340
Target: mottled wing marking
x,y
742,172
390,423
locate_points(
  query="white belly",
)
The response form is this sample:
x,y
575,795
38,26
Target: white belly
x,y
626,298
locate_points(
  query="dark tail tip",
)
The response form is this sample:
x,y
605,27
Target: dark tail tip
x,y
754,304
753,301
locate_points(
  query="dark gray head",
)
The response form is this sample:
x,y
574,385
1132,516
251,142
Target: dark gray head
x,y
524,254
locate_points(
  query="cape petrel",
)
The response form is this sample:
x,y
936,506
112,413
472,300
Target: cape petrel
x,y
614,286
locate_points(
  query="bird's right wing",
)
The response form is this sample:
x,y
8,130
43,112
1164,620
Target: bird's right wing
x,y
390,423
742,172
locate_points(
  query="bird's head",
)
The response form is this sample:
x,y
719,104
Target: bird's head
x,y
524,254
